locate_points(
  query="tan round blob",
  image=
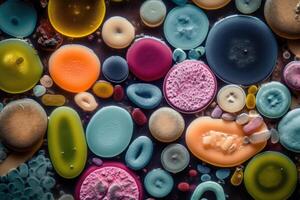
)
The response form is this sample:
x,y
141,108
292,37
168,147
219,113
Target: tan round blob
x,y
166,124
231,98
22,124
118,32
86,101
211,4
283,16
294,47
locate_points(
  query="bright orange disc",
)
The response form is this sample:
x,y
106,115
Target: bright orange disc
x,y
74,68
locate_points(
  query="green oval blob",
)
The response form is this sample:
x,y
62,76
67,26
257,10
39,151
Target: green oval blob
x,y
66,142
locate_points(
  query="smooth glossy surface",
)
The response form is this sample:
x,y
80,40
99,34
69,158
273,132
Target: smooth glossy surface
x,y
76,18
20,66
66,142
186,27
248,54
109,131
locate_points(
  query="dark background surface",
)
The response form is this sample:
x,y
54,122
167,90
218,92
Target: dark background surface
x,y
130,10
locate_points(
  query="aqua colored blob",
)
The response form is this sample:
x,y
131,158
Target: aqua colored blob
x,y
208,186
273,99
48,182
48,196
13,175
109,131
41,170
194,54
179,55
139,153
205,177
39,90
158,183
17,18
180,2
144,95
222,173
247,6
33,182
288,130
186,27
23,170
203,169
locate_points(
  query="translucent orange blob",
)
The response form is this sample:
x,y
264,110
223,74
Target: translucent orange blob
x,y
74,68
76,18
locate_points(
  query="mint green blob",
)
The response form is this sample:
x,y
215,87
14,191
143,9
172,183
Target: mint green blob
x,y
208,186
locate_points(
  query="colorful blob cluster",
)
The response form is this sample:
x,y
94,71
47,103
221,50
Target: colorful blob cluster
x,y
149,99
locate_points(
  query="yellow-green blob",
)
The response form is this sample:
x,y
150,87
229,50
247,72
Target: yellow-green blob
x,y
76,18
66,142
270,176
252,89
53,100
250,101
20,66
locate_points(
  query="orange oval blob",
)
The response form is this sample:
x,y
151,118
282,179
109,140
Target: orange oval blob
x,y
220,142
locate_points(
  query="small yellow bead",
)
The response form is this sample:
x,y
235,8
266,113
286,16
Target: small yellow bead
x,y
103,89
237,177
252,89
53,100
250,101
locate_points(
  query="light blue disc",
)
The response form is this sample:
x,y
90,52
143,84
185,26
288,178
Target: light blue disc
x,y
17,18
247,6
186,27
109,132
273,99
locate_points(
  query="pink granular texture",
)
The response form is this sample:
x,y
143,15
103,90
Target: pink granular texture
x,y
109,183
190,86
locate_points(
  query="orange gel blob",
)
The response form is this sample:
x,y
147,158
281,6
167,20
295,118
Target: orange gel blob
x,y
220,142
74,68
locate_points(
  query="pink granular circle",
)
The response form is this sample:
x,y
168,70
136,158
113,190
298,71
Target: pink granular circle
x,y
190,86
109,181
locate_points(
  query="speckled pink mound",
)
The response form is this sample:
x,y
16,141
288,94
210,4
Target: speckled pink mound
x,y
107,182
291,75
149,59
190,86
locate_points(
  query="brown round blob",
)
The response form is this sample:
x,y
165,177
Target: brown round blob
x,y
22,124
294,47
283,16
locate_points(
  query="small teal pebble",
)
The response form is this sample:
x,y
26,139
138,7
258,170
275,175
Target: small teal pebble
x,y
247,6
194,54
139,153
222,173
158,183
23,170
208,186
48,196
180,2
1,106
39,90
144,95
48,182
13,175
205,177
203,169
33,182
41,170
179,55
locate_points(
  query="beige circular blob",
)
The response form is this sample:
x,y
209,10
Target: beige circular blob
x,y
231,98
294,47
211,4
166,124
118,32
282,17
22,124
153,13
86,101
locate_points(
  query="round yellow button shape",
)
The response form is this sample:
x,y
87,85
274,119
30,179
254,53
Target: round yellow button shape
x,y
76,18
103,89
20,66
211,5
